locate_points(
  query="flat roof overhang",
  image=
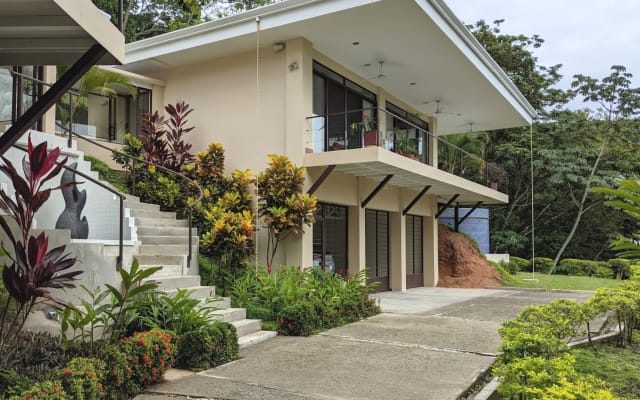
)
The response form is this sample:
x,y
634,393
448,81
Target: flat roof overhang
x,y
376,164
55,32
419,41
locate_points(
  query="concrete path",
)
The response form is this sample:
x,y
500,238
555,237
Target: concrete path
x,y
429,343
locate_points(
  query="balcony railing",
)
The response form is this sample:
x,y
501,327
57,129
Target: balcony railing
x,y
360,128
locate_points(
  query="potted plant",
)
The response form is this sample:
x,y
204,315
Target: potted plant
x,y
406,146
368,129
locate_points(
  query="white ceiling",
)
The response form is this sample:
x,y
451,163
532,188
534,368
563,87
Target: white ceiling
x,y
413,39
55,32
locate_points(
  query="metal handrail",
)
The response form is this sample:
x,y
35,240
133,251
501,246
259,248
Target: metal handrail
x,y
133,159
102,185
487,165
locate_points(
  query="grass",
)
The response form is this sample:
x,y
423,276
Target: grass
x,y
619,367
561,282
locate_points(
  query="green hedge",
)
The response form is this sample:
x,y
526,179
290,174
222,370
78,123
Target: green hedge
x,y
576,267
517,264
208,347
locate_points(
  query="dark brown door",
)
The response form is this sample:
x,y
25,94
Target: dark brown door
x,y
377,248
415,271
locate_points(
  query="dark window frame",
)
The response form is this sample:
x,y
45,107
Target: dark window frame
x,y
416,258
322,206
376,268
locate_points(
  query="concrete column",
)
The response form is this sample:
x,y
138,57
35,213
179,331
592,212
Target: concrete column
x,y
430,245
357,240
299,90
433,144
398,256
49,117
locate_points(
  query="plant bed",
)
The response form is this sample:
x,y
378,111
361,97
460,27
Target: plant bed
x,y
301,302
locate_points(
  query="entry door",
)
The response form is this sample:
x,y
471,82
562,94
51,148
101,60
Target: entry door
x,y
415,271
377,248
330,238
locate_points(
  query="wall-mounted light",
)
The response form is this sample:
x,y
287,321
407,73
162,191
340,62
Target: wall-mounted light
x,y
279,46
293,66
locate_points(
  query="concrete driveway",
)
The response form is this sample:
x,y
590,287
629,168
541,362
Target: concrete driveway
x,y
429,343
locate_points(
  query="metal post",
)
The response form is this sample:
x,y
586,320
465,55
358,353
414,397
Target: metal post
x,y
190,240
121,238
456,216
69,134
121,15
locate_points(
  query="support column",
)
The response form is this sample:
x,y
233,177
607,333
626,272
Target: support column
x,y
430,245
49,118
357,240
398,256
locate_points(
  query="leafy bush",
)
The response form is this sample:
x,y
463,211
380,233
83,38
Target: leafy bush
x,y
576,267
542,264
82,378
621,268
298,319
177,313
519,264
208,347
35,356
303,301
13,384
138,361
46,390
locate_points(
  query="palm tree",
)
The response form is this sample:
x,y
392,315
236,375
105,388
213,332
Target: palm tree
x,y
96,81
462,154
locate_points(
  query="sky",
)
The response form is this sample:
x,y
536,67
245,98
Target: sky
x,y
585,36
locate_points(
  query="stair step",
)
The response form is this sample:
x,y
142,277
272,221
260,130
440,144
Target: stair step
x,y
166,271
200,293
255,338
168,240
230,314
160,223
151,260
164,250
224,302
247,326
137,213
178,282
165,231
136,205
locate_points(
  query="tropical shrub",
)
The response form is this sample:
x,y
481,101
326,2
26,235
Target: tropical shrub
x,y
208,347
225,218
13,384
82,378
45,390
137,361
282,205
621,268
519,264
177,313
542,264
33,270
576,267
300,302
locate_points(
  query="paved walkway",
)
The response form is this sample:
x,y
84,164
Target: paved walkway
x,y
429,343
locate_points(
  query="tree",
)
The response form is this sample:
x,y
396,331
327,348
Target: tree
x,y
618,102
625,197
283,207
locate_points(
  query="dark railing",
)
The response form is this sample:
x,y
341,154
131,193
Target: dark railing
x,y
102,185
70,134
351,130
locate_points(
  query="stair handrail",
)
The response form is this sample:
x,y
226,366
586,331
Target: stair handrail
x,y
133,159
106,187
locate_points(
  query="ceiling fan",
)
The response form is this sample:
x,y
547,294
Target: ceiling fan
x,y
439,111
381,74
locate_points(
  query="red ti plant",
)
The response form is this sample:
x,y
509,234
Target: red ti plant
x,y
33,270
154,147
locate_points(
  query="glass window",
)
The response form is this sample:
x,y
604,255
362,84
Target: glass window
x,y
343,112
414,244
377,243
330,238
6,94
406,133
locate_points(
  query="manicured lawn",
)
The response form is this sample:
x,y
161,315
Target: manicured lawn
x,y
619,367
562,282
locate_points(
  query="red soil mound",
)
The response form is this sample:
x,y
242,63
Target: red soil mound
x,y
460,265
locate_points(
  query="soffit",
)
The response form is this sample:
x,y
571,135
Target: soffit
x,y
55,32
414,39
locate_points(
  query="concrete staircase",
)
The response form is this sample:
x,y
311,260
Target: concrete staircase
x,y
164,243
